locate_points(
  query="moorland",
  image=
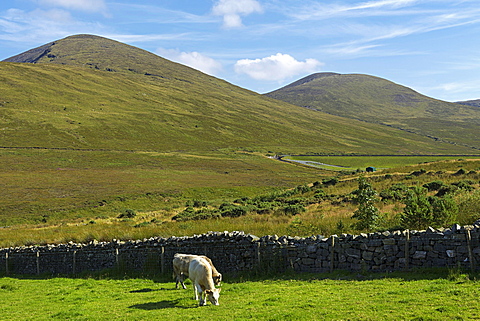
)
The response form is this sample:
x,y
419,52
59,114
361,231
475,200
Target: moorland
x,y
101,140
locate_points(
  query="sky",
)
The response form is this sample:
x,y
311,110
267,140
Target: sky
x,y
431,46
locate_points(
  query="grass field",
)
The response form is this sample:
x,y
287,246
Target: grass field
x,y
80,199
424,295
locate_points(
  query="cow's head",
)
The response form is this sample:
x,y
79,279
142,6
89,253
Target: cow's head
x,y
217,279
213,295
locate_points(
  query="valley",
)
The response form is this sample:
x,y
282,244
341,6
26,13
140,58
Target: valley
x,y
95,129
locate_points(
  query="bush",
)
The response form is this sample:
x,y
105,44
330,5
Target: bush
x,y
469,208
366,214
230,210
433,186
395,192
330,181
446,189
421,211
127,213
417,213
189,214
294,209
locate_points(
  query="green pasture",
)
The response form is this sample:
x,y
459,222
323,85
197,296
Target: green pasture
x,y
48,185
398,296
352,163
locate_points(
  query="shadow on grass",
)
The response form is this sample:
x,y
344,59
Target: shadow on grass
x,y
165,304
152,290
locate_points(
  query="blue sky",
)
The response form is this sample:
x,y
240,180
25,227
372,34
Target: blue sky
x,y
432,46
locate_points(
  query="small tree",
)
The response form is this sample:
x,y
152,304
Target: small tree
x,y
422,211
417,213
444,211
366,214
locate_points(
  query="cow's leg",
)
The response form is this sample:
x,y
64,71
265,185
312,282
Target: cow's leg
x,y
183,277
203,298
177,280
195,291
180,278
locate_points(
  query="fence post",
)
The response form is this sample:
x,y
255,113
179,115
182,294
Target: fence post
x,y
332,253
407,248
74,265
7,272
116,258
258,255
38,262
469,246
162,260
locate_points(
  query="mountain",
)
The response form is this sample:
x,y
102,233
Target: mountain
x,y
89,92
474,102
380,101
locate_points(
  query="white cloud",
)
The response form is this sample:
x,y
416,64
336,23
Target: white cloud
x,y
81,5
276,67
192,59
37,26
313,11
232,10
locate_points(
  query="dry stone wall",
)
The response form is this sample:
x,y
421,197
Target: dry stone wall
x,y
236,252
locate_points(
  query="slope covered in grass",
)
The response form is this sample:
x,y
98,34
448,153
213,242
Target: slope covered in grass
x,y
87,119
91,92
380,101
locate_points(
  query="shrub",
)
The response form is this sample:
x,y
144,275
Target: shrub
x,y
302,189
366,214
330,181
465,184
417,213
461,171
294,209
127,213
446,189
394,192
421,211
444,211
433,186
469,207
189,214
230,210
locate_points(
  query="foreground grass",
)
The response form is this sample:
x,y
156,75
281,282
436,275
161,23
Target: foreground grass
x,y
304,297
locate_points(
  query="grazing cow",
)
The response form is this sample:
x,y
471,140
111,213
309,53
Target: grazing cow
x,y
200,272
181,263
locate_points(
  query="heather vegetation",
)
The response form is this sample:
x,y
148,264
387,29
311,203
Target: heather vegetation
x,y
436,194
100,140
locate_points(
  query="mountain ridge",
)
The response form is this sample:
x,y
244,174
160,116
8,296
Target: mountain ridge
x,y
87,91
377,100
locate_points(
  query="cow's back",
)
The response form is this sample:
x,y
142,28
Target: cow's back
x,y
199,271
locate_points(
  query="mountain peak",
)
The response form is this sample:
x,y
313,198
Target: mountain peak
x,y
101,53
310,78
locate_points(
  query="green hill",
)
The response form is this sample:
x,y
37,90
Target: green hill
x,y
376,100
90,92
86,120
475,102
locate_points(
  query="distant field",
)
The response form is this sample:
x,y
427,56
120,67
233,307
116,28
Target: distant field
x,y
399,296
348,163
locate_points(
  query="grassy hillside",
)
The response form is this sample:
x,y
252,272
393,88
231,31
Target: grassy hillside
x,y
91,92
475,102
94,121
380,101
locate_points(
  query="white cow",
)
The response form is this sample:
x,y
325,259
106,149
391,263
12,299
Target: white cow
x,y
181,263
200,273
